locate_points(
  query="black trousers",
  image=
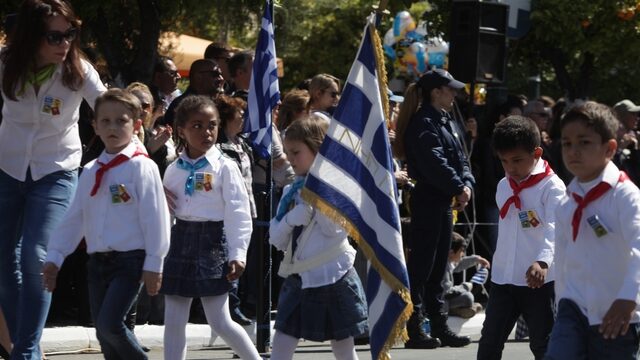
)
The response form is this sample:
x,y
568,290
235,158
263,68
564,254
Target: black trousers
x,y
506,303
431,227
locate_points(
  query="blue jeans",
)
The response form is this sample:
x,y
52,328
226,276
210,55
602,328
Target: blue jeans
x,y
114,283
31,210
573,338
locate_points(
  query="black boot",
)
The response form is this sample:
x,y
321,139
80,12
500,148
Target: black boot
x,y
4,353
441,330
418,339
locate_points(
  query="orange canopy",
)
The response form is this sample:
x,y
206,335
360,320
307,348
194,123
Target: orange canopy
x,y
184,49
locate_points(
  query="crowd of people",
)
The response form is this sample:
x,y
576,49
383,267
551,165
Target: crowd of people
x,y
151,185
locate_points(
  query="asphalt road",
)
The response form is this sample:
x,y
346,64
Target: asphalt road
x,y
320,351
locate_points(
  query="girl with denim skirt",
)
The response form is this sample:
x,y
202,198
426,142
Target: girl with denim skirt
x,y
322,297
210,238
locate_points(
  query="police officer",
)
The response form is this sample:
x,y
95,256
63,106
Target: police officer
x,y
437,162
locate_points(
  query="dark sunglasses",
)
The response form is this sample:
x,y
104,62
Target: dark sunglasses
x,y
172,73
55,38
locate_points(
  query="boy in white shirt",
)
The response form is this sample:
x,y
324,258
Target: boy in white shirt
x,y
522,272
121,210
597,243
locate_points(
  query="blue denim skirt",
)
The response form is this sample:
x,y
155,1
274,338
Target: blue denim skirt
x,y
331,312
196,265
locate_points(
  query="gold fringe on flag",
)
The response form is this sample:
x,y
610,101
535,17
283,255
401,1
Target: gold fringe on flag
x,y
382,72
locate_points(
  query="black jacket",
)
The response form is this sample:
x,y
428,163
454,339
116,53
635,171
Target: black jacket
x,y
435,156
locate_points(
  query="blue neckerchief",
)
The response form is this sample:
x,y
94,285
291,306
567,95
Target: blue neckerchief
x,y
288,198
185,165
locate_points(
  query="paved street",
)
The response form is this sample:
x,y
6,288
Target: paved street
x,y
320,351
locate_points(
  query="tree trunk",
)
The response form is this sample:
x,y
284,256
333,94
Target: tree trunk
x,y
112,52
142,67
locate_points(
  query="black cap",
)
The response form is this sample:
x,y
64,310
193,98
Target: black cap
x,y
436,78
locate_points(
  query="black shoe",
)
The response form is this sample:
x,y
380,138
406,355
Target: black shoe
x,y
449,338
4,353
145,349
418,338
240,318
425,342
363,340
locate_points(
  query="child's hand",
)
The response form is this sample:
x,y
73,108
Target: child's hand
x,y
616,320
536,274
49,276
484,262
299,215
152,281
236,268
171,200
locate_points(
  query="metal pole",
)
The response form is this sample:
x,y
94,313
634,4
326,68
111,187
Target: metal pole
x,y
263,303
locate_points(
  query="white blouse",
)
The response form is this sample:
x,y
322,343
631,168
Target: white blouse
x,y
40,132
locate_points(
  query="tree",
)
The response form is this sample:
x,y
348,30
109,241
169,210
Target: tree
x,y
124,34
582,48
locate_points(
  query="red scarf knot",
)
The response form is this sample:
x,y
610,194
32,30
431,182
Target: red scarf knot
x,y
518,187
594,194
121,158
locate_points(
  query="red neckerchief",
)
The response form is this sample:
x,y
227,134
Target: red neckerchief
x,y
591,196
111,164
518,187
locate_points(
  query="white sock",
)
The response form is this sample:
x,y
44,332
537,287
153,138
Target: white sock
x,y
283,346
176,315
216,308
344,349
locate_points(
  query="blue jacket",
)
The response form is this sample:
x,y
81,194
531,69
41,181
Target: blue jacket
x,y
435,156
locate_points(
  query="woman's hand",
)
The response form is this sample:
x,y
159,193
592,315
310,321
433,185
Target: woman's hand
x,y
161,136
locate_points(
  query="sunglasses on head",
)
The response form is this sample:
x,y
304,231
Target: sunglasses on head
x,y
55,38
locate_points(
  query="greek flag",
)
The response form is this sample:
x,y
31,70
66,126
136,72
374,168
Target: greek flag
x,y
264,92
352,181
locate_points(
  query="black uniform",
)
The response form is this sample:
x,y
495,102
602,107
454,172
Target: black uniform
x,y
436,160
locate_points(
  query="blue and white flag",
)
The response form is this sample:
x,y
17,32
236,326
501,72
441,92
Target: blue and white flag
x,y
264,92
352,181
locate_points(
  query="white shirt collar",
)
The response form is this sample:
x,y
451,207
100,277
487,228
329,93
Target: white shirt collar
x,y
610,175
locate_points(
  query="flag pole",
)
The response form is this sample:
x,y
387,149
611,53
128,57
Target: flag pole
x,y
263,303
381,10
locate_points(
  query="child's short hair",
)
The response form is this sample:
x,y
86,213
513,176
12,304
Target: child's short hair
x,y
595,116
126,98
515,132
458,242
309,130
